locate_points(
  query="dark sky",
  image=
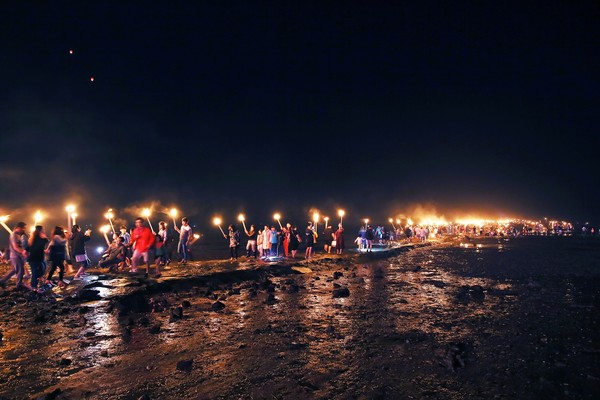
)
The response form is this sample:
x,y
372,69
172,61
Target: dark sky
x,y
221,107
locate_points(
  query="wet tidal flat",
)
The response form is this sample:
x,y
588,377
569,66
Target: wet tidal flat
x,y
479,318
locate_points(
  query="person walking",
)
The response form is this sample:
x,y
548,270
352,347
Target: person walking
x,y
77,241
274,242
142,240
310,239
251,245
266,242
185,237
234,241
57,254
339,239
369,235
294,241
18,254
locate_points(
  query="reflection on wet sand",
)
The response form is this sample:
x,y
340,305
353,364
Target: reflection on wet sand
x,y
437,321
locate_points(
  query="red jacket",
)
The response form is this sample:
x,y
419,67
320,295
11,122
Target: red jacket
x,y
143,238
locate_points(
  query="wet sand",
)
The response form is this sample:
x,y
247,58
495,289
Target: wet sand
x,y
501,318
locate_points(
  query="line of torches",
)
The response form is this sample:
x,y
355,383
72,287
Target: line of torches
x,y
217,221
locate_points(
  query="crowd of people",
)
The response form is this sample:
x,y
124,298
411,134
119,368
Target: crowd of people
x,y
270,242
141,247
64,249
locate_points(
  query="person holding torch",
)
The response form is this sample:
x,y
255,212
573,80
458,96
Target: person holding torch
x,y
18,254
185,236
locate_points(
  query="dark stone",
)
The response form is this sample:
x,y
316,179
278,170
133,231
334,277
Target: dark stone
x,y
470,293
96,284
234,291
177,312
455,356
336,285
83,309
154,329
40,317
271,288
158,304
51,396
104,353
126,334
144,397
144,321
293,288
477,293
298,345
186,304
341,292
417,269
65,361
271,298
185,365
337,275
87,295
217,306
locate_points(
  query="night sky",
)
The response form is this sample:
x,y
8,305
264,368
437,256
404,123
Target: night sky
x,y
223,107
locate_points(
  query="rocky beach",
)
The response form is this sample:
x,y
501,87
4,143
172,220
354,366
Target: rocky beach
x,y
449,319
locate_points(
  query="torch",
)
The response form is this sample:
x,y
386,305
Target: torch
x,y
74,218
341,213
241,218
146,213
278,218
109,216
217,222
37,217
3,220
69,209
316,220
392,222
326,221
104,229
366,222
173,214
